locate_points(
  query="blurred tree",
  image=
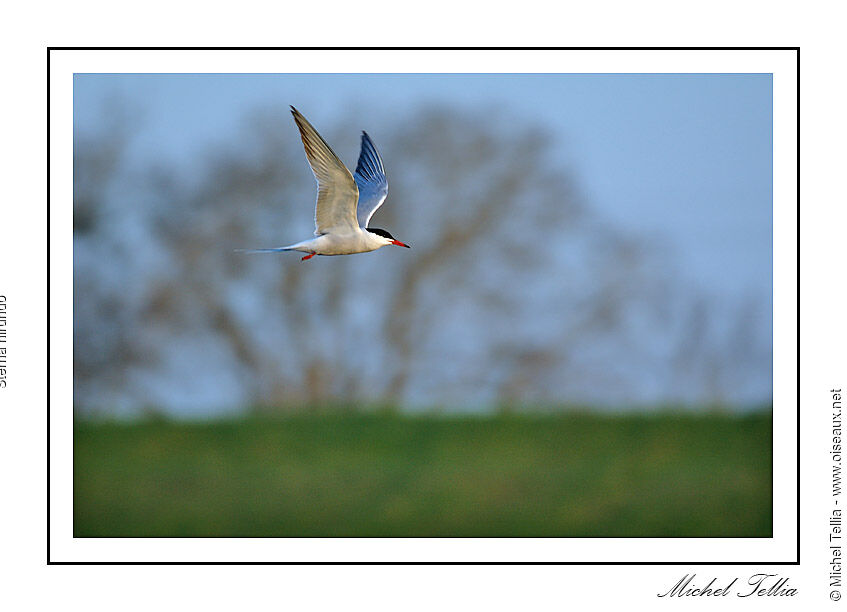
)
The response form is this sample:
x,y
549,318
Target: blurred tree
x,y
105,316
514,292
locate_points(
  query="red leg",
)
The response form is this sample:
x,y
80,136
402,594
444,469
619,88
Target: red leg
x,y
309,256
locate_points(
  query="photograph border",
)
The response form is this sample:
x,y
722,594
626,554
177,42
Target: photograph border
x,y
796,561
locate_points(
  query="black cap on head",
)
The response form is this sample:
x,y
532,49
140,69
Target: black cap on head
x,y
380,232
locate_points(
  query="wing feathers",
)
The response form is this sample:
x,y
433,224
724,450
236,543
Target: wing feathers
x,y
337,191
371,180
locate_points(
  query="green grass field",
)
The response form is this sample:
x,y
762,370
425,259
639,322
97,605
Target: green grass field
x,y
393,475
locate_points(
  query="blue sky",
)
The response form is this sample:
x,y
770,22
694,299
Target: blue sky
x,y
685,159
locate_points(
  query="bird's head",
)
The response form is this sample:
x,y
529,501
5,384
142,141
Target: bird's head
x,y
386,237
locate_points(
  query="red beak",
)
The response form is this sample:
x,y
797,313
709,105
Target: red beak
x,y
398,243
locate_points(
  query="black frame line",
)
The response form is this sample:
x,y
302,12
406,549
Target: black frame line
x,y
767,563
423,49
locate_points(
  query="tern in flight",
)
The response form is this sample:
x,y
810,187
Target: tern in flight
x,y
345,203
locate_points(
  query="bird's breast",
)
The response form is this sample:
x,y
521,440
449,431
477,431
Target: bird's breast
x,y
346,244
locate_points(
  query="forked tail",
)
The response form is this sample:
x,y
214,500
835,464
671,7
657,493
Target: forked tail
x,y
276,250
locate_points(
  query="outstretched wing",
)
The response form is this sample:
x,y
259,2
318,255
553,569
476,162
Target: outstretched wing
x,y
337,191
370,177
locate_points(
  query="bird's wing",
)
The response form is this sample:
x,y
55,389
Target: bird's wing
x,y
337,191
370,177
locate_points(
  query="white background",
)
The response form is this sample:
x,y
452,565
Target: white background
x,y
30,584
781,548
